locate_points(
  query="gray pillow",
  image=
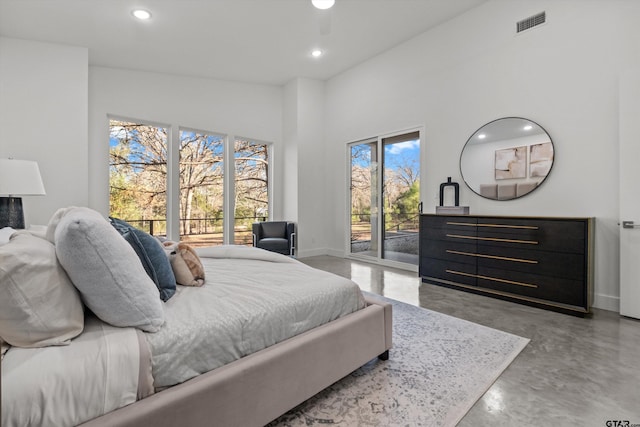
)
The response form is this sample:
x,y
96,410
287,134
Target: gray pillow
x,y
107,271
151,254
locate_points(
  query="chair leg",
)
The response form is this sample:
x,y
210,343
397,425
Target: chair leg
x,y
292,245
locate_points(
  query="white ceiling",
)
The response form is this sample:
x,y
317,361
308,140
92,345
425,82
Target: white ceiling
x,y
260,41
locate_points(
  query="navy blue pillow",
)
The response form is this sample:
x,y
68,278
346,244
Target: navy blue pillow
x,y
152,255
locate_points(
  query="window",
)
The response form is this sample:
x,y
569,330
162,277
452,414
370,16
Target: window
x,y
364,213
251,187
138,175
201,188
139,155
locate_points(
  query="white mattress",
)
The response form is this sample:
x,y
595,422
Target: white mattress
x,y
251,300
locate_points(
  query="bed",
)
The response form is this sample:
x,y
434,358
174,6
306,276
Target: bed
x,y
307,329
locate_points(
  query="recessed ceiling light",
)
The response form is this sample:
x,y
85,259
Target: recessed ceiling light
x,y
323,4
528,127
316,53
141,14
482,136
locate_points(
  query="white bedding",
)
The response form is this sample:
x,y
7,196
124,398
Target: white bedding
x,y
101,365
251,300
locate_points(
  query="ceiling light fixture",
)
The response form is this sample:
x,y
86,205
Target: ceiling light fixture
x,y
528,127
316,53
141,14
323,4
482,136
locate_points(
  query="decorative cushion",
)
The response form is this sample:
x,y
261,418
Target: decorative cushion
x,y
186,264
151,254
274,229
38,304
506,191
275,244
107,271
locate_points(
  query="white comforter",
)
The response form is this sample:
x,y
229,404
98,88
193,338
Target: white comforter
x,y
251,300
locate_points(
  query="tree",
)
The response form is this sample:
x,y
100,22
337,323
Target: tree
x,y
201,159
251,180
138,170
138,175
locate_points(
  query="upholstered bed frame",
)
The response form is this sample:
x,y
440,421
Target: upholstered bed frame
x,y
256,389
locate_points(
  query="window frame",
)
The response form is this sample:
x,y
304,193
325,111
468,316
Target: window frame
x,y
173,171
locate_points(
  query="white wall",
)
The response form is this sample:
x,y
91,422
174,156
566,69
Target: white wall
x,y
305,167
312,169
290,150
233,109
474,69
43,117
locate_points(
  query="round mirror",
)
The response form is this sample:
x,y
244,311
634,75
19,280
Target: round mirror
x,y
506,158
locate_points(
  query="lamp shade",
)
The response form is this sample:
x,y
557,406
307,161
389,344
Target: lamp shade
x,y
20,178
323,4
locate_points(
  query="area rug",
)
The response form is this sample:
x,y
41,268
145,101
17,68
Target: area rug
x,y
438,368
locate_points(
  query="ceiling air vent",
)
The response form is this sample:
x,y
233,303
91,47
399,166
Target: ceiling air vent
x,y
531,22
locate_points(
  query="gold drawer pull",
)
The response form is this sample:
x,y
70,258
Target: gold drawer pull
x,y
495,279
473,224
492,239
527,261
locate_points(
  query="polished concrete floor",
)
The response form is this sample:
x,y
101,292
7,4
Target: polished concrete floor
x,y
574,372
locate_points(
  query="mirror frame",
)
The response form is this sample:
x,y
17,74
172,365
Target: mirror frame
x,y
511,190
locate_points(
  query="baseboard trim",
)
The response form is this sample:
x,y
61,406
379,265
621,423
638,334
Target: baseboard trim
x,y
606,302
320,251
335,252
311,252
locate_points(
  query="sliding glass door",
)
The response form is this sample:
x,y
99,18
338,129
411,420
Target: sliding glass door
x,y
364,198
401,197
385,198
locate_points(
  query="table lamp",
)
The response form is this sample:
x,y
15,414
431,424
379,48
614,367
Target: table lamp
x,y
17,178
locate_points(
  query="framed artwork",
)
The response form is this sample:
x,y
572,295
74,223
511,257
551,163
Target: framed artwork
x,y
511,163
540,159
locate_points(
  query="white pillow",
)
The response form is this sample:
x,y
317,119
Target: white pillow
x,y
38,304
5,235
107,271
54,221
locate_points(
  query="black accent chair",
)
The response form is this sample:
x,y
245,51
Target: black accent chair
x,y
275,236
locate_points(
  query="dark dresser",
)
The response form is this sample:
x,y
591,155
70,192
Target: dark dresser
x,y
539,261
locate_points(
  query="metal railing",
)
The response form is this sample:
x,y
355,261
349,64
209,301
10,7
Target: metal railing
x,y
394,222
202,231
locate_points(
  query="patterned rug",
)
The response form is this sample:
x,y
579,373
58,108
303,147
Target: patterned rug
x,y
438,368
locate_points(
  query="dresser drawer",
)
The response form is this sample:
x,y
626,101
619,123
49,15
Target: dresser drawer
x,y
448,271
555,264
561,290
455,252
437,228
545,235
540,235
